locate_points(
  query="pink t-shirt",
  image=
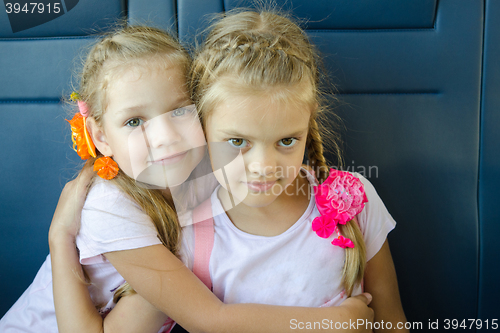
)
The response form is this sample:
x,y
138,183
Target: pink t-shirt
x,y
111,221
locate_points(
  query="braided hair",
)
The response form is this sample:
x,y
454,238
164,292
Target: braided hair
x,y
265,52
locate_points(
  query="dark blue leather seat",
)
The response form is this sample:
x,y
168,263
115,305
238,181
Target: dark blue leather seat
x,y
417,85
35,74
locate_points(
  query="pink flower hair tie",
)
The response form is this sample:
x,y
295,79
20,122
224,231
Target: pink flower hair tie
x,y
84,110
82,106
343,242
339,199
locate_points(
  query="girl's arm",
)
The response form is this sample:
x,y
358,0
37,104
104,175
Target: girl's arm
x,y
68,281
380,281
75,311
164,281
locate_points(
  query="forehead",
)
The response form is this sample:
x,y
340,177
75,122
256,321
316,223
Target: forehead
x,y
114,71
129,81
259,116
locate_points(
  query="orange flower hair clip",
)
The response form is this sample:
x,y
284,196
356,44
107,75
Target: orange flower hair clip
x,y
106,168
82,142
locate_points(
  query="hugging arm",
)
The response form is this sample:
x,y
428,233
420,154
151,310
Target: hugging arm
x,y
163,281
174,289
68,281
381,282
75,311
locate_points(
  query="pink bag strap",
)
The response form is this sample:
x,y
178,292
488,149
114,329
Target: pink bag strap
x,y
203,241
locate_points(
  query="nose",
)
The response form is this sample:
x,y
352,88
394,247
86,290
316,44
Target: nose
x,y
162,131
261,161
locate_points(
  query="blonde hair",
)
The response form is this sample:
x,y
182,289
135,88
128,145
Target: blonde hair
x,y
264,51
116,51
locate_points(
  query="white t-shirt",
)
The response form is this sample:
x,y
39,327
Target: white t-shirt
x,y
295,268
111,221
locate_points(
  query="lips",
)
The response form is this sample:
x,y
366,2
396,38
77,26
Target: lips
x,y
260,186
170,159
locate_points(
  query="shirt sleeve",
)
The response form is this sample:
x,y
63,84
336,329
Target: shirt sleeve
x,y
375,221
112,221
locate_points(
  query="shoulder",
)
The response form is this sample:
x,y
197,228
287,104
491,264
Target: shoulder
x,y
374,203
108,200
368,186
112,221
101,189
375,221
122,215
105,195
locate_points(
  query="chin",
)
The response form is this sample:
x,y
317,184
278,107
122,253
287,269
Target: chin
x,y
260,199
157,176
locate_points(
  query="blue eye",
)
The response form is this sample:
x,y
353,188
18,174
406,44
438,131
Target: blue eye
x,y
238,143
288,142
179,112
183,110
135,122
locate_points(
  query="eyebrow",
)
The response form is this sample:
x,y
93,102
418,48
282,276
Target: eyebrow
x,y
178,104
131,109
230,132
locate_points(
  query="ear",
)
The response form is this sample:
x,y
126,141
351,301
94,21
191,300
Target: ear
x,y
98,137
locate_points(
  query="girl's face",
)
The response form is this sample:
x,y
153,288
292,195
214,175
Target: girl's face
x,y
271,136
151,127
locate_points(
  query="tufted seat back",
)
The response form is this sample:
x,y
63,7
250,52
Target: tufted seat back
x,y
416,83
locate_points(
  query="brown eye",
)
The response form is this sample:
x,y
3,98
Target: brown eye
x,y
288,142
237,143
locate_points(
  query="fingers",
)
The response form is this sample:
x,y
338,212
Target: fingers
x,y
364,297
72,199
85,176
78,186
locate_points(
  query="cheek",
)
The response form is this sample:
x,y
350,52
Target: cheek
x,y
194,136
230,170
235,170
291,163
134,153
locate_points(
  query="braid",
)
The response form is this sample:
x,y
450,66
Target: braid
x,y
315,155
355,259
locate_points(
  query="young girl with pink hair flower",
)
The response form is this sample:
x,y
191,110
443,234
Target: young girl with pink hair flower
x,y
271,232
279,235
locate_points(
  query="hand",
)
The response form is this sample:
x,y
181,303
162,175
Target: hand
x,y
358,309
66,220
